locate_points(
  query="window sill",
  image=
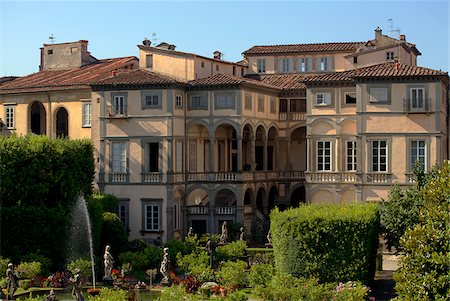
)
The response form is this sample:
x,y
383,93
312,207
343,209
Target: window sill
x,y
86,126
323,105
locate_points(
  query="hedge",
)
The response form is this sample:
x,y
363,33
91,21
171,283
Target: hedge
x,y
328,241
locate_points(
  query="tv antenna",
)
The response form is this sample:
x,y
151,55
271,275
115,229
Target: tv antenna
x,y
154,38
394,33
52,39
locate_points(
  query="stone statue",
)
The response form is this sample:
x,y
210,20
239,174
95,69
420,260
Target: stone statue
x,y
77,282
165,267
51,296
224,235
108,261
269,237
11,281
241,236
190,232
210,247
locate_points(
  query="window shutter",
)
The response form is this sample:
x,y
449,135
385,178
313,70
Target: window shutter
x,y
280,65
291,65
308,63
327,98
318,64
330,63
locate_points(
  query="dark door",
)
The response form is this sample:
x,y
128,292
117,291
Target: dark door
x,y
62,123
199,227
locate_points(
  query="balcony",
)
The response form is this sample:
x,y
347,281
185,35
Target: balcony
x,y
417,106
379,178
225,210
152,177
113,112
197,210
334,177
118,178
292,116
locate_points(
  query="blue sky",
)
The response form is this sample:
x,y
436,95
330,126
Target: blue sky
x,y
114,28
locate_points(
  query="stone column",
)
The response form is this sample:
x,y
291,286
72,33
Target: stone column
x,y
239,154
252,153
211,154
288,154
265,154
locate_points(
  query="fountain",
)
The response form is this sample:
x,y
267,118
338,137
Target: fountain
x,y
81,233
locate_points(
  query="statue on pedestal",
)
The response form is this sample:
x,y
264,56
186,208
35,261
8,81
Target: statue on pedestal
x,y
108,261
11,281
165,267
77,282
241,235
190,232
224,235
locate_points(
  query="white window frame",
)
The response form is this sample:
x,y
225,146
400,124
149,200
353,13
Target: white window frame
x,y
87,114
119,157
350,155
323,99
304,64
323,64
10,117
377,98
378,165
152,100
390,56
417,103
322,164
149,220
414,153
179,101
261,65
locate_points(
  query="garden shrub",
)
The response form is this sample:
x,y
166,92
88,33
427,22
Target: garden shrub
x,y
175,293
113,234
424,272
176,246
330,242
260,274
231,252
84,265
137,245
95,210
24,284
197,265
149,258
110,295
236,296
109,202
30,298
4,265
28,270
351,291
233,274
260,255
44,261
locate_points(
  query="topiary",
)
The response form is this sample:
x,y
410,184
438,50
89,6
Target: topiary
x,y
113,234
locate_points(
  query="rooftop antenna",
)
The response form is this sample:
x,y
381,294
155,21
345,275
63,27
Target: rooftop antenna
x,y
394,33
52,39
154,38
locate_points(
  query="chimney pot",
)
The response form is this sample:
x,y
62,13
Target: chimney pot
x,y
217,55
402,37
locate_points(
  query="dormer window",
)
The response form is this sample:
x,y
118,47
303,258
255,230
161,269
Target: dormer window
x,y
390,56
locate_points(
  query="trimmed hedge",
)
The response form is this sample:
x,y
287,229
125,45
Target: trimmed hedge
x,y
329,242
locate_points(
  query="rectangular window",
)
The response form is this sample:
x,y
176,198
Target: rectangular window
x,y
217,67
179,101
152,218
248,101
261,65
417,102
10,117
149,60
123,213
153,157
192,156
179,156
350,98
379,95
323,64
273,109
203,64
418,154
390,56
304,64
351,156
119,105
176,217
152,100
379,156
260,103
285,65
198,102
224,101
234,70
119,157
324,155
355,60
323,99
87,108
283,105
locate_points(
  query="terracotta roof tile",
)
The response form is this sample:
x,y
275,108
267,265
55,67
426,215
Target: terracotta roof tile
x,y
298,48
285,81
136,77
226,80
76,78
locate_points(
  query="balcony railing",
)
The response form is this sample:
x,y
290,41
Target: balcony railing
x,y
379,178
292,116
412,106
152,177
334,177
118,178
227,176
198,210
115,112
225,210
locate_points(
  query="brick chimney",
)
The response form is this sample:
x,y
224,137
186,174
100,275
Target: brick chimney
x,y
403,38
378,33
217,55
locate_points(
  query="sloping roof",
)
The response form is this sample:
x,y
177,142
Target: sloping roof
x,y
75,78
229,80
385,70
298,48
285,81
136,77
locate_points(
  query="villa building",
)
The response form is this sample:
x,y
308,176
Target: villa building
x,y
185,140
